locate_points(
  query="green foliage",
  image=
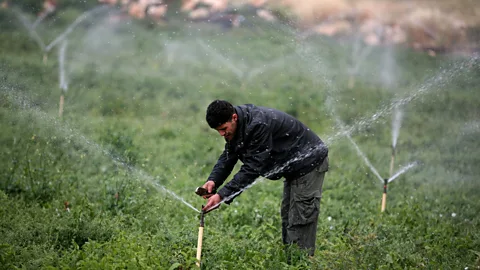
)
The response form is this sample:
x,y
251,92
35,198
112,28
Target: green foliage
x,y
102,187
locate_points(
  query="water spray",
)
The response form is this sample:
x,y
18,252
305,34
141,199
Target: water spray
x,y
393,177
392,161
395,131
63,128
240,74
31,31
62,76
40,18
384,180
396,124
245,74
359,55
369,164
46,48
402,170
359,152
72,26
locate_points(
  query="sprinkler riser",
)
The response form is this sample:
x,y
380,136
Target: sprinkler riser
x,y
200,237
62,101
199,245
384,195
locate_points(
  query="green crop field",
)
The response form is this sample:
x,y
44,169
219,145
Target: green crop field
x,y
110,183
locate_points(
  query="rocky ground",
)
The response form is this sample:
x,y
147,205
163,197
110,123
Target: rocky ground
x,y
434,26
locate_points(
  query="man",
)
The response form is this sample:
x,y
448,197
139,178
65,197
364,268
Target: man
x,y
272,144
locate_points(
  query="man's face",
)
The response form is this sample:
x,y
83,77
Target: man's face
x,y
228,129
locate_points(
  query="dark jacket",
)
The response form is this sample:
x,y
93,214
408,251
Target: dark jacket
x,y
270,143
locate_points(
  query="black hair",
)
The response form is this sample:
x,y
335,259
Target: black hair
x,y
219,112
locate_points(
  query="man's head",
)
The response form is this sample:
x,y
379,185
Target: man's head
x,y
222,117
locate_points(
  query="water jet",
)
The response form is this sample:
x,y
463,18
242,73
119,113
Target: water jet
x,y
62,76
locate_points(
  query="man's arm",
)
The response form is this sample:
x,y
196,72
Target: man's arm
x,y
224,166
255,162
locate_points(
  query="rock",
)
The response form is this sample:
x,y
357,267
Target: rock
x,y
108,2
157,12
5,4
137,10
394,34
212,5
334,28
431,28
266,15
312,12
199,14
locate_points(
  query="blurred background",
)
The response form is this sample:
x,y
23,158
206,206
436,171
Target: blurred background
x,y
433,26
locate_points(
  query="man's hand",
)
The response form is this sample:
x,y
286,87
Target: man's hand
x,y
210,187
213,201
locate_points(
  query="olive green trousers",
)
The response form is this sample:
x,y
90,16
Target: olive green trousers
x,y
301,207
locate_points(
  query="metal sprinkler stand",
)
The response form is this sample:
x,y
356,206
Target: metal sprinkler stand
x,y
384,196
200,237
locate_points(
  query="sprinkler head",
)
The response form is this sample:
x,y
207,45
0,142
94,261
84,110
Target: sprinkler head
x,y
200,191
211,209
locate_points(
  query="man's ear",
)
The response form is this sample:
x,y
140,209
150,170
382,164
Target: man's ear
x,y
234,117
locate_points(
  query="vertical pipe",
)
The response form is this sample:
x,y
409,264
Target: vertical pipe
x,y
60,109
200,238
384,196
351,82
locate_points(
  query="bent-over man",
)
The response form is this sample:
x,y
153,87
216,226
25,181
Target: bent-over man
x,y
272,144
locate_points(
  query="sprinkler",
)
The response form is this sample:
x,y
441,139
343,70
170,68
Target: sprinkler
x,y
200,234
200,191
384,196
200,237
393,177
